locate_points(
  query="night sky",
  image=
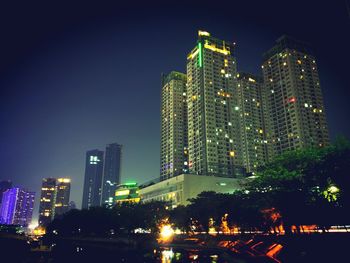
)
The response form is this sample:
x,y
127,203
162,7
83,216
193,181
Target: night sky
x,y
77,76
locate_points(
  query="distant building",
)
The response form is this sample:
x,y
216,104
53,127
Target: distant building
x,y
173,151
17,207
111,172
4,185
250,105
62,195
294,109
179,189
47,201
93,179
127,193
213,123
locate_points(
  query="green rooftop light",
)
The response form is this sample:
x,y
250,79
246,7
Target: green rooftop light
x,y
200,55
130,184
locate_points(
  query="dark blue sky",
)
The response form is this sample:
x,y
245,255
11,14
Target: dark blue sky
x,y
77,76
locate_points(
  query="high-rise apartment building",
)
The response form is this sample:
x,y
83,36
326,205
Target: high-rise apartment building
x,y
47,201
93,179
294,110
111,172
249,94
213,117
173,160
62,195
17,207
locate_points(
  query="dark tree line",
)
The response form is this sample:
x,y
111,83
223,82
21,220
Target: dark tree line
x,y
102,221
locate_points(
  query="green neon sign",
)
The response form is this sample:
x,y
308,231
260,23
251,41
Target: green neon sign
x,y
200,55
130,184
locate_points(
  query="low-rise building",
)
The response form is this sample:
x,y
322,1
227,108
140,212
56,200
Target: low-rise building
x,y
128,192
179,189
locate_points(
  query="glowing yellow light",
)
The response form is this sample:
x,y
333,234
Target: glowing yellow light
x,y
333,189
299,61
226,63
215,49
232,153
331,193
251,80
192,55
261,131
122,192
203,33
166,232
39,231
63,180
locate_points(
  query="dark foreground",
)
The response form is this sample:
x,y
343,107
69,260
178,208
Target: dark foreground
x,y
241,249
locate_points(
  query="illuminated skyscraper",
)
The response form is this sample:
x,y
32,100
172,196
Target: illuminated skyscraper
x,y
213,123
294,110
17,207
249,93
173,153
93,179
62,195
111,172
47,201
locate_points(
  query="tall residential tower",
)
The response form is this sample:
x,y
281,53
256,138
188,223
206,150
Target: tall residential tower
x,y
249,93
213,121
173,152
294,109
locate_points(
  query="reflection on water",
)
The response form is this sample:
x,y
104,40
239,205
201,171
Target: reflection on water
x,y
170,254
167,255
65,252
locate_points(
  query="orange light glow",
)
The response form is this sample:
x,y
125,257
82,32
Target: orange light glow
x,y
39,231
166,232
224,225
274,250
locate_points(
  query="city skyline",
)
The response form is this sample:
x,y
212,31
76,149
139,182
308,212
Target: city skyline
x,y
141,145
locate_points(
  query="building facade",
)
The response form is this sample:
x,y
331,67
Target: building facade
x,y
127,193
47,201
213,119
17,207
111,172
179,189
250,103
294,110
62,195
93,179
174,153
